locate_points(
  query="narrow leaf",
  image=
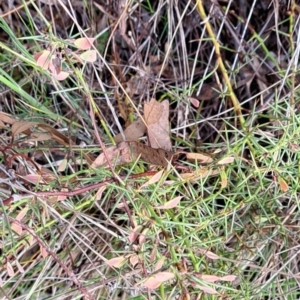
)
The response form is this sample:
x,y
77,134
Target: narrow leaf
x,y
135,233
116,262
10,270
226,160
151,283
159,263
60,76
208,254
229,278
283,185
155,178
89,56
210,278
43,59
84,43
170,204
207,290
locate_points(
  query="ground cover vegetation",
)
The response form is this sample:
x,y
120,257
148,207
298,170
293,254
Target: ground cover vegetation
x,y
149,149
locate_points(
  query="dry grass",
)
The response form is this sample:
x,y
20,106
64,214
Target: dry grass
x,y
239,62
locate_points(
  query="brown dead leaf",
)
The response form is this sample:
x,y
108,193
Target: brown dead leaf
x,y
224,179
199,174
158,131
134,234
127,152
20,268
226,160
282,184
62,139
116,262
142,237
153,282
201,158
10,270
159,263
155,178
21,126
207,289
134,260
153,111
2,125
208,253
170,204
39,137
133,132
208,92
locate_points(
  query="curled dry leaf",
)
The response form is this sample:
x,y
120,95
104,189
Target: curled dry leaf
x,y
127,152
133,132
201,158
157,119
21,126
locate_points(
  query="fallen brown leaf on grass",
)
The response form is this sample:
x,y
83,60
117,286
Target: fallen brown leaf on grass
x,y
127,152
152,112
201,158
133,132
157,119
25,127
21,126
199,174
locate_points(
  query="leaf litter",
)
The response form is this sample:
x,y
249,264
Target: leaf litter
x,y
127,152
156,117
